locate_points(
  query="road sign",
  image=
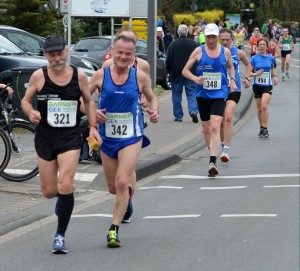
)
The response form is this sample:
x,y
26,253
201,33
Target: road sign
x,y
64,6
65,21
193,7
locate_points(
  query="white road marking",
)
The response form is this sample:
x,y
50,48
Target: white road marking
x,y
85,177
171,216
160,187
282,186
222,187
248,215
296,175
92,215
81,177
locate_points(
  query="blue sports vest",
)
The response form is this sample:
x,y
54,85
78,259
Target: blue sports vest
x,y
215,72
236,63
266,63
123,108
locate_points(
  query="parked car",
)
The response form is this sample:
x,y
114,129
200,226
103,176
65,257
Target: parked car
x,y
33,45
94,49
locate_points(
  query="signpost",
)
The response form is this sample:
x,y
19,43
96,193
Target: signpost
x,y
115,8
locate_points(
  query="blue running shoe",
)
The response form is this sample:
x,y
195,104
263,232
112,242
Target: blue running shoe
x,y
129,211
59,245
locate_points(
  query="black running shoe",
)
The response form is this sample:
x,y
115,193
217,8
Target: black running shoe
x,y
194,118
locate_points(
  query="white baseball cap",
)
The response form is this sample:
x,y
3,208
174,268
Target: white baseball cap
x,y
211,29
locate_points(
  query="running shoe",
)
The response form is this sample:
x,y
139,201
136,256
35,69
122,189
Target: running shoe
x,y
59,245
260,134
212,170
112,239
194,118
129,211
282,77
225,155
287,75
265,133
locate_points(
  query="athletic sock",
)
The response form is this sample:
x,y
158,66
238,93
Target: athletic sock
x,y
64,212
213,159
114,227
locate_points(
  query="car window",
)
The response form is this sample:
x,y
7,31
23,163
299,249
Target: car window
x,y
141,47
89,45
6,46
25,42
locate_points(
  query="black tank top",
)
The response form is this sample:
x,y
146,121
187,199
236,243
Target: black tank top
x,y
51,91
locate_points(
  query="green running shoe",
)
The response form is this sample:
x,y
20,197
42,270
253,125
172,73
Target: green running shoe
x,y
112,239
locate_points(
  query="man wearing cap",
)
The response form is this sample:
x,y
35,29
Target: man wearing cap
x,y
178,54
58,139
213,62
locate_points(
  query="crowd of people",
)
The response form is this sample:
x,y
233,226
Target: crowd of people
x,y
205,59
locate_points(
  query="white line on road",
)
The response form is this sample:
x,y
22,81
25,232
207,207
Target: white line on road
x,y
171,216
248,215
85,177
92,215
160,187
282,186
81,177
296,175
222,187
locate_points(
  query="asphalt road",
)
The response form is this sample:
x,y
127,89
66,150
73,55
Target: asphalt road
x,y
246,219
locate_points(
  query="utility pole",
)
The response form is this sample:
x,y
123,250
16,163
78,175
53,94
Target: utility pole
x,y
151,40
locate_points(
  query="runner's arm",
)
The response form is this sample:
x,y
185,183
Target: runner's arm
x,y
36,80
193,59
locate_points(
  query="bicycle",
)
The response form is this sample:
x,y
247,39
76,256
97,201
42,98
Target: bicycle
x,y
19,163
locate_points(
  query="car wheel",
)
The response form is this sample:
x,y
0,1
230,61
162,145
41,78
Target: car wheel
x,y
166,83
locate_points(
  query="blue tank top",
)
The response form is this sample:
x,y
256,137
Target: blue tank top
x,y
123,109
236,63
266,63
215,72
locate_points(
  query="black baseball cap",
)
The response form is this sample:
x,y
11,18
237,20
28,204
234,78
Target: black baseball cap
x,y
54,43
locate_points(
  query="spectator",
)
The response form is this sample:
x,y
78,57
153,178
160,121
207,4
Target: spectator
x,y
167,39
177,55
294,31
160,39
250,28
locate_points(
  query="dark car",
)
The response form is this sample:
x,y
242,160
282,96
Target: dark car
x,y
11,56
94,50
33,44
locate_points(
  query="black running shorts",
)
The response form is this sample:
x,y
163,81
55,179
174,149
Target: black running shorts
x,y
285,53
234,96
208,107
49,141
258,91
